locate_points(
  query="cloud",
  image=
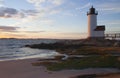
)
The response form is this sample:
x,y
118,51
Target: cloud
x,y
110,22
7,12
35,17
46,6
38,3
34,14
1,2
72,35
8,29
30,12
84,6
56,2
32,31
12,35
109,8
55,11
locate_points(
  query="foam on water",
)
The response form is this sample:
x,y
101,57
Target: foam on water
x,y
13,50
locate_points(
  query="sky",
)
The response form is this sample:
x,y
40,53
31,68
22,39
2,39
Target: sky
x,y
59,19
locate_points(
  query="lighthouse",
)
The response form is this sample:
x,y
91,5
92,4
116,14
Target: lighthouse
x,y
94,31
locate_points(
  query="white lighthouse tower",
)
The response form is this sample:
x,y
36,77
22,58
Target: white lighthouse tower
x,y
94,31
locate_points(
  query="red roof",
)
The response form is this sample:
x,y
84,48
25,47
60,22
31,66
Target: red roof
x,y
100,28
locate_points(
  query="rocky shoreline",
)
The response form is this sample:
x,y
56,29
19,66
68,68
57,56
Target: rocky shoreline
x,y
62,44
95,54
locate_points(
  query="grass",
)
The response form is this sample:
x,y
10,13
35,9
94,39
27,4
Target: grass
x,y
90,50
105,58
87,62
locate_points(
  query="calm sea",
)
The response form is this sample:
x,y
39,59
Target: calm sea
x,y
13,49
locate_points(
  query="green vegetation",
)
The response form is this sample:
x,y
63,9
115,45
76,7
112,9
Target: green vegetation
x,y
104,60
90,50
100,54
86,62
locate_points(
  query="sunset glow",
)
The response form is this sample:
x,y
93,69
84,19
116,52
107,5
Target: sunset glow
x,y
55,18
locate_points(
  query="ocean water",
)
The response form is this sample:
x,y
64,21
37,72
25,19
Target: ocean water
x,y
13,49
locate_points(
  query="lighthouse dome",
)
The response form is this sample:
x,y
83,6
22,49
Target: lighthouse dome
x,y
92,11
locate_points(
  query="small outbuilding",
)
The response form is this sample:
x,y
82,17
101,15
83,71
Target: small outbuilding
x,y
94,31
